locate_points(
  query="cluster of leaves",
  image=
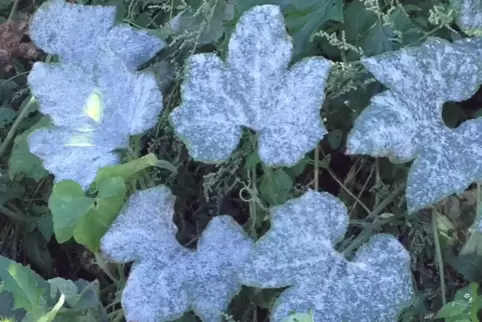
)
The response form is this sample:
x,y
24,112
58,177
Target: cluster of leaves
x,y
106,104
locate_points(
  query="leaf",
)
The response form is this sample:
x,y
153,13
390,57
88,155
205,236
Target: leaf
x,y
103,99
204,280
300,317
83,34
94,114
67,288
304,17
405,123
127,170
7,115
256,91
298,253
36,249
452,309
190,21
84,218
22,161
469,15
24,284
275,186
50,316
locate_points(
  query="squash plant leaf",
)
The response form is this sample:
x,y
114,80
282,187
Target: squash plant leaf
x,y
405,121
298,253
24,284
253,88
167,279
86,219
94,114
81,34
469,15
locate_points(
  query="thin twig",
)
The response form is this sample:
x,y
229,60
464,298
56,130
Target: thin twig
x,y
11,133
438,253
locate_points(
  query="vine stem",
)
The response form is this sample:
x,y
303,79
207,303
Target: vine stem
x,y
12,12
317,161
16,124
367,231
438,253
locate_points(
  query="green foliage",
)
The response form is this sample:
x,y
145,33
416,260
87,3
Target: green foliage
x,y
22,161
464,307
84,218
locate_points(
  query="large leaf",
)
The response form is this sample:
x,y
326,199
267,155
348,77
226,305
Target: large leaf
x,y
405,122
85,218
81,34
298,253
253,88
168,279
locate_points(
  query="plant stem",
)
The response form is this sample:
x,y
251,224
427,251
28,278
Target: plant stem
x,y
12,12
367,231
16,124
438,253
317,160
11,214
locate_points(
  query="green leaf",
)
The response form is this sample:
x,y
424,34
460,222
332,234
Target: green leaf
x,y
50,316
335,138
24,284
22,161
275,186
452,309
93,225
127,170
35,247
7,115
305,17
68,204
84,218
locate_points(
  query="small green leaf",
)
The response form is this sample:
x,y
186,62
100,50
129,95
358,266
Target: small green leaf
x,y
50,316
452,309
335,138
127,170
275,186
92,226
84,218
68,204
22,161
7,115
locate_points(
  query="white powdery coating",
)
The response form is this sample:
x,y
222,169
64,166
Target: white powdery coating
x,y
255,89
54,147
298,251
80,34
168,279
131,102
469,14
405,122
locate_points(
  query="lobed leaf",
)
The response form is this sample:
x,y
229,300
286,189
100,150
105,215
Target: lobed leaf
x,y
82,34
254,89
405,121
298,253
167,279
94,114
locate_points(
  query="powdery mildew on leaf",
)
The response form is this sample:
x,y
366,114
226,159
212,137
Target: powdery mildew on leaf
x,y
167,279
94,114
298,251
81,34
469,15
253,88
405,122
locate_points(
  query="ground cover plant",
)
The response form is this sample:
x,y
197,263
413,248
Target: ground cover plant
x,y
215,160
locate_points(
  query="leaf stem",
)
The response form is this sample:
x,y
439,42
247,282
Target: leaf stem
x,y
11,214
367,231
438,253
317,160
15,126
